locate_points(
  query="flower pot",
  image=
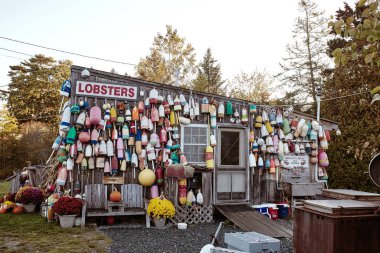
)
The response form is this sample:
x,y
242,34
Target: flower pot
x,y
67,221
29,208
159,222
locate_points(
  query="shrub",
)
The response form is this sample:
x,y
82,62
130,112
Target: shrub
x,y
68,206
28,194
160,206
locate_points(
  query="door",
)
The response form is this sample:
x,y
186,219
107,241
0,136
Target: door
x,y
231,165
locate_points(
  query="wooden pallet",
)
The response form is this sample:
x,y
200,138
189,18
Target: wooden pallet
x,y
193,214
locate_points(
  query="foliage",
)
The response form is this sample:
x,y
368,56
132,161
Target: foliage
x,y
4,188
209,77
170,57
350,153
9,204
34,88
68,206
160,206
9,196
31,233
28,194
361,30
255,87
305,61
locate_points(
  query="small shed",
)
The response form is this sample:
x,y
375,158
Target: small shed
x,y
234,149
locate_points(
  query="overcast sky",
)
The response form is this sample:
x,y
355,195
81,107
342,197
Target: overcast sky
x,y
243,34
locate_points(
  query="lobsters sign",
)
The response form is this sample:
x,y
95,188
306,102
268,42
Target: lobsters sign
x,y
93,89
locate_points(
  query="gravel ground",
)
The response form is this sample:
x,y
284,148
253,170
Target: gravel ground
x,y
135,238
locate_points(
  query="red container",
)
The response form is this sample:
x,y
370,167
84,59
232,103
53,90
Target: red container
x,y
273,211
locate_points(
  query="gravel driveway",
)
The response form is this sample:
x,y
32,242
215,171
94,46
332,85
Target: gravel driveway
x,y
129,238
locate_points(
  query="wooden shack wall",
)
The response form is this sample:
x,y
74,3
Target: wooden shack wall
x,y
256,190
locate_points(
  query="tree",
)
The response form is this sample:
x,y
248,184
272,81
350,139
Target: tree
x,y
306,58
9,133
209,77
170,58
350,153
253,87
361,30
34,88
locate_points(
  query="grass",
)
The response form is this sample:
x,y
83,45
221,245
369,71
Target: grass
x,y
32,233
4,188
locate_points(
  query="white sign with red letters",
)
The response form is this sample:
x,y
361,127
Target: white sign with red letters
x,y
85,88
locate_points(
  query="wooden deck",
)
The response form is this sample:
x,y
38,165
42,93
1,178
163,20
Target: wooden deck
x,y
248,219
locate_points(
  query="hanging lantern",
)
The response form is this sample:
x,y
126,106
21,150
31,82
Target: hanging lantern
x,y
209,157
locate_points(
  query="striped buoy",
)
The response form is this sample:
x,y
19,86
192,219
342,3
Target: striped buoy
x,y
65,121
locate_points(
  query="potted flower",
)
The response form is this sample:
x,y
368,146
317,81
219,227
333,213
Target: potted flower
x,y
67,209
29,197
159,209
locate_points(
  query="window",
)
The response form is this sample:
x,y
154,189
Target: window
x,y
194,142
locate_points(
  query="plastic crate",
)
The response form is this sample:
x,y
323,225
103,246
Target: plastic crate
x,y
251,242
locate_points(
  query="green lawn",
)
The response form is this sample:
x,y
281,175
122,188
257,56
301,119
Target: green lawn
x,y
32,233
4,188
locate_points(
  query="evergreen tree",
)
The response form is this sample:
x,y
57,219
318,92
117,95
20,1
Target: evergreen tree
x,y
350,153
209,77
306,58
34,88
170,59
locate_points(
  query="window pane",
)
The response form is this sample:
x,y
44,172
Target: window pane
x,y
230,149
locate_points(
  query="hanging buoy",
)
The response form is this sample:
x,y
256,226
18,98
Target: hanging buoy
x,y
172,118
99,164
62,175
221,111
260,163
209,157
65,88
269,127
135,114
88,151
107,115
153,96
286,127
313,135
95,115
302,149
114,165
113,114
91,163
252,109
177,104
252,160
212,140
196,110
81,120
272,117
315,125
84,136
213,118
161,111
110,150
199,197
255,147
304,130
272,168
265,116
279,119
205,105
189,198
244,115
264,131
259,121
107,167
65,121
147,177
84,165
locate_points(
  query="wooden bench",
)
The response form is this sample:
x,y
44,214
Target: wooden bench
x,y
97,205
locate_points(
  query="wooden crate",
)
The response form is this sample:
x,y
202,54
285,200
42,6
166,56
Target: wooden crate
x,y
193,214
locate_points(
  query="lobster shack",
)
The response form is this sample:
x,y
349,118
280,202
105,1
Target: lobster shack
x,y
199,150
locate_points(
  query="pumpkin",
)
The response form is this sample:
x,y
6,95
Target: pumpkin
x,y
147,177
18,210
115,195
3,210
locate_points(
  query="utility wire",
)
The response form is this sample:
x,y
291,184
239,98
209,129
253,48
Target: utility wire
x,y
4,55
17,52
66,52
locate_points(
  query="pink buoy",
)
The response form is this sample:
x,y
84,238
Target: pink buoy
x,y
323,159
62,176
95,115
154,191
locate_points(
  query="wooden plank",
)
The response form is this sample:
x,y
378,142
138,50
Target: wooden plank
x,y
341,207
249,219
207,188
351,194
113,180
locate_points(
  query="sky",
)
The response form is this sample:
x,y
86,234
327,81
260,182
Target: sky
x,y
244,35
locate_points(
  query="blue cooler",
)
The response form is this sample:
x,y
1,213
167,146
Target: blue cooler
x,y
283,210
262,209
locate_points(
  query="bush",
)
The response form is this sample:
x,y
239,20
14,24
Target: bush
x,y
160,206
68,206
28,194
